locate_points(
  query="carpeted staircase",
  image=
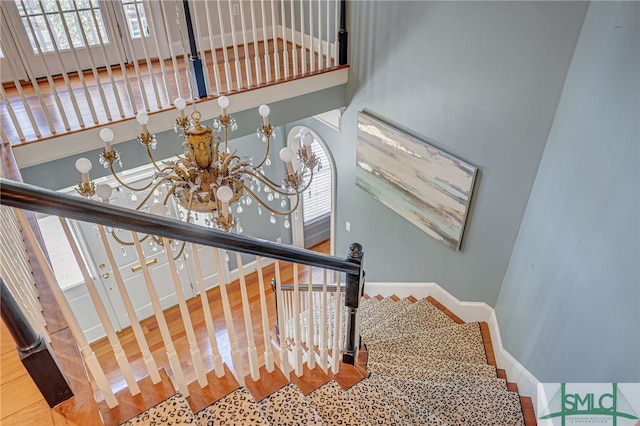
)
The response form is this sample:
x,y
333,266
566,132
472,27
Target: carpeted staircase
x,y
425,368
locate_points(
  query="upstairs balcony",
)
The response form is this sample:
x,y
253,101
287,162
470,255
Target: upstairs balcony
x,y
70,67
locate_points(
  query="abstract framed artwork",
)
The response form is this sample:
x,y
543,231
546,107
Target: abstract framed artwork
x,y
425,185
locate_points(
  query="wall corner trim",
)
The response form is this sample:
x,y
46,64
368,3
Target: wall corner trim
x,y
468,312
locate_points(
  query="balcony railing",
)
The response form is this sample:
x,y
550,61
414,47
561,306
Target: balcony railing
x,y
65,70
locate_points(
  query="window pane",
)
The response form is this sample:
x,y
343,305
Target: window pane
x,y
316,201
33,20
129,7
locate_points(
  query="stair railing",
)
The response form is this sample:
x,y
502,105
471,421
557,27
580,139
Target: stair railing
x,y
243,348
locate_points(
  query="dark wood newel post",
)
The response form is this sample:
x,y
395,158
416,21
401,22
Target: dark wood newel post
x,y
33,350
343,34
199,82
353,292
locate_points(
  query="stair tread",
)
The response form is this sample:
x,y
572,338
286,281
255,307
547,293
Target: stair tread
x,y
173,410
237,408
438,364
434,376
459,343
383,405
287,406
334,406
416,317
386,308
462,405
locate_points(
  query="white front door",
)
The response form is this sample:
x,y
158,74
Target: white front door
x,y
120,244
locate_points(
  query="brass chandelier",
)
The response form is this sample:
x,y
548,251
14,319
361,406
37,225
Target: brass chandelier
x,y
209,177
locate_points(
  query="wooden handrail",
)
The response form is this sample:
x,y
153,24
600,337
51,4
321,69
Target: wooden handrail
x,y
30,197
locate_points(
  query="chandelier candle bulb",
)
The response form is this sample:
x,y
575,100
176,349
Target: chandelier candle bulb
x,y
83,165
143,118
224,194
286,155
223,102
106,135
180,105
307,141
103,191
264,111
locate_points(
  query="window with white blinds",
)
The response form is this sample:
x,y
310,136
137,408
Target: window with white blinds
x,y
316,201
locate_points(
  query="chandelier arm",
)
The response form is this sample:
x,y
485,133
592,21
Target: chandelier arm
x,y
271,184
131,188
268,207
146,198
170,193
266,153
127,243
153,161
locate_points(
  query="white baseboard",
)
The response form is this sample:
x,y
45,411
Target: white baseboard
x,y
468,312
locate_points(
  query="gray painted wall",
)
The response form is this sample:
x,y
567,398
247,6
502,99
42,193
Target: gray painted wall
x,y
569,307
482,81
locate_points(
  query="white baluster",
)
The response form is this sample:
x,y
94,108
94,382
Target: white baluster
x,y
324,352
166,30
247,60
297,343
303,49
147,357
294,45
265,41
136,67
120,356
311,354
236,360
172,356
123,69
88,355
328,40
147,57
285,48
268,351
225,54
212,47
337,327
235,47
256,47
89,54
34,81
196,356
276,53
284,352
23,98
107,61
156,38
208,318
246,310
76,61
12,115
